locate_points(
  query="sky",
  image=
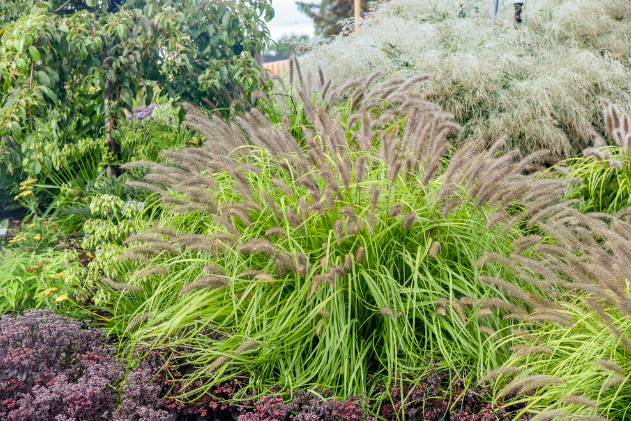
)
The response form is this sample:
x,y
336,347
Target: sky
x,y
288,20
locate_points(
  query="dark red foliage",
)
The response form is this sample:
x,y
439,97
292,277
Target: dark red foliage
x,y
305,406
55,368
442,397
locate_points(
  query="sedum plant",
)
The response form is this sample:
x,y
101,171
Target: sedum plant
x,y
319,260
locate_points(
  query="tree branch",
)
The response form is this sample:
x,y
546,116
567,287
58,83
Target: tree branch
x,y
61,7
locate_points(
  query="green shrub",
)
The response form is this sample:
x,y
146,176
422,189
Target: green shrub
x,y
31,280
320,260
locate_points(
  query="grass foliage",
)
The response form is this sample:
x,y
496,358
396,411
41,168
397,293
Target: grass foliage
x,y
347,253
540,84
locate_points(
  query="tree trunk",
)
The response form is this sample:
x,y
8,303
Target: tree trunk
x,y
110,124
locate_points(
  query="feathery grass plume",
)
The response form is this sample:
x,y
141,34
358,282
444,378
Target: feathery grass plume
x,y
246,346
139,319
511,289
256,274
450,206
396,209
143,185
133,257
498,372
150,271
502,304
348,261
486,330
214,269
302,264
388,312
293,218
609,365
441,307
484,312
142,238
258,245
316,281
283,186
121,286
522,243
551,415
551,316
613,381
339,270
409,220
319,326
338,231
275,231
529,383
467,301
204,282
329,277
525,349
359,254
434,249
324,312
162,231
592,418
455,305
217,363
579,400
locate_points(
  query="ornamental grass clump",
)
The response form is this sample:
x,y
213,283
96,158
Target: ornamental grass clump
x,y
571,359
350,251
539,83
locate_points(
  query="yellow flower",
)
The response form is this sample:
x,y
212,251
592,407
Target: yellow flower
x,y
90,255
31,226
61,275
61,298
26,234
29,181
49,290
37,237
26,193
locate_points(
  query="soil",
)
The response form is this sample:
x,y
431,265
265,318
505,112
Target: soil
x,y
14,213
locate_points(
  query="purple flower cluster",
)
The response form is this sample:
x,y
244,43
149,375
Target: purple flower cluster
x,y
141,113
132,206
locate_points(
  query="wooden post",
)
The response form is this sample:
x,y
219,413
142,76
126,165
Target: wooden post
x,y
357,14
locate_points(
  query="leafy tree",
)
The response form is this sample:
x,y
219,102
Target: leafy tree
x,y
69,68
286,45
328,14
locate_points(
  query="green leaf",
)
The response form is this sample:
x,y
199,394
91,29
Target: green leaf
x,y
146,25
43,78
34,53
34,168
226,19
